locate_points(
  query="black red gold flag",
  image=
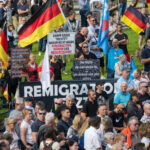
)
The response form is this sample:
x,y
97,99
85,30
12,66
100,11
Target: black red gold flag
x,y
48,17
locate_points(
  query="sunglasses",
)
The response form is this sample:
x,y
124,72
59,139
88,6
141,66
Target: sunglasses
x,y
145,86
92,20
42,114
85,47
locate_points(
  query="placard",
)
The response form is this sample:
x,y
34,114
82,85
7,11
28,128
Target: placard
x,y
61,43
86,69
19,60
59,89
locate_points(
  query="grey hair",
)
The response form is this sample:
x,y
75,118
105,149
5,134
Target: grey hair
x,y
49,117
20,99
131,119
108,136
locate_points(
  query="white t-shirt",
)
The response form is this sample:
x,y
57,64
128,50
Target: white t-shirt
x,y
112,28
14,143
96,4
29,131
146,141
91,30
92,139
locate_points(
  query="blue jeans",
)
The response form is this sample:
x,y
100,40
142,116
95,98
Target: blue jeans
x,y
83,18
122,9
42,44
110,73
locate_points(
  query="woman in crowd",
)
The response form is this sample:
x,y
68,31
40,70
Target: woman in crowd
x,y
57,65
10,128
109,140
32,69
73,145
25,129
144,131
40,71
49,141
84,126
120,65
76,124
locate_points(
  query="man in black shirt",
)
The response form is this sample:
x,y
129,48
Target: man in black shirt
x,y
146,57
86,53
90,106
101,95
81,38
123,40
117,117
142,93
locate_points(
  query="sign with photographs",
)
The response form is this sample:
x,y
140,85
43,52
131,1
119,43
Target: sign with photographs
x,y
20,59
61,43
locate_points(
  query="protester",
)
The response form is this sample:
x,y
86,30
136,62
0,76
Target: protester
x,y
113,53
134,108
49,140
102,111
57,66
146,117
73,144
76,124
72,24
143,93
131,131
32,69
19,106
125,78
97,51
90,106
25,130
66,6
38,123
65,122
117,117
144,131
84,9
123,41
82,129
86,53
10,128
123,96
120,65
92,139
109,139
145,57
81,38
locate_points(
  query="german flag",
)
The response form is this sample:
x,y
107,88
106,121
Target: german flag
x,y
3,48
5,94
134,19
148,3
48,17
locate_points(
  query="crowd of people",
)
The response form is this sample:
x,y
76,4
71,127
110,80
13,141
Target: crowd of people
x,y
103,123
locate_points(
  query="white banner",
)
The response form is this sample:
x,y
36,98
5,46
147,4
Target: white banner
x,y
61,43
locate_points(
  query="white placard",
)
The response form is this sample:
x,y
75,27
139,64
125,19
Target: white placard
x,y
61,43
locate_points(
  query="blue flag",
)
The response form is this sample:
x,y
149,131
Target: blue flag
x,y
132,68
104,28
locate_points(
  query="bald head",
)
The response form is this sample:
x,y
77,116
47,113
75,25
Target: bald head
x,y
147,109
84,31
123,87
115,43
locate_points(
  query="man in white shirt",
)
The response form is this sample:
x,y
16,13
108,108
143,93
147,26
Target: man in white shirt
x,y
92,139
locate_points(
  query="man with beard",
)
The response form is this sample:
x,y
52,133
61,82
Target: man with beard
x,y
117,117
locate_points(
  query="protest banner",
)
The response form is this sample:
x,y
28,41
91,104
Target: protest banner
x,y
59,89
19,58
86,69
61,43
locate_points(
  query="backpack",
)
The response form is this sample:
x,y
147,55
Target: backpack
x,y
47,147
